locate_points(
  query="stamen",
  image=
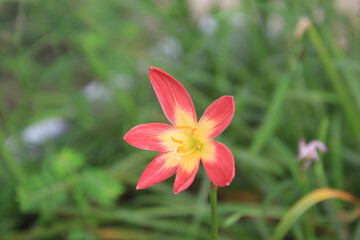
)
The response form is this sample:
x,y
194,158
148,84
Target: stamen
x,y
182,127
180,149
177,141
192,131
197,145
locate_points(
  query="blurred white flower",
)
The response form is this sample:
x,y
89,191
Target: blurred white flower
x,y
203,7
96,91
44,130
275,25
121,81
207,24
169,47
34,136
308,151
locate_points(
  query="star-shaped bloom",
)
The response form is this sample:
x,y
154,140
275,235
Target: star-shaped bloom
x,y
308,151
187,140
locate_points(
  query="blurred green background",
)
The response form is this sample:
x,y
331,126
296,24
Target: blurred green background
x,y
74,79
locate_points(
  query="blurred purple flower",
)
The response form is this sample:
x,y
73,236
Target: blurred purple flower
x,y
308,151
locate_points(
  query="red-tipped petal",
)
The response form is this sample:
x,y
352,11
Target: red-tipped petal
x,y
218,116
186,173
160,169
219,164
147,136
173,97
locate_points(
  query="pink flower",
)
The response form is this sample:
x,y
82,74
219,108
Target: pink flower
x,y
186,141
308,151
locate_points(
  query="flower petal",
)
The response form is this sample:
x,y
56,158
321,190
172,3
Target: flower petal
x,y
173,97
303,149
149,136
217,117
186,172
218,162
316,144
160,169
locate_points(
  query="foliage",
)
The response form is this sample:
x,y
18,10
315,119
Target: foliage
x,y
47,190
83,65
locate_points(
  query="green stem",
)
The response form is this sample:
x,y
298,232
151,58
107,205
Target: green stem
x,y
14,169
213,201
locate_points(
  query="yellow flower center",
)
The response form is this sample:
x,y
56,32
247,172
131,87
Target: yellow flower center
x,y
187,145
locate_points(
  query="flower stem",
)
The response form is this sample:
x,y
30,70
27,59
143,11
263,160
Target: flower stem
x,y
214,222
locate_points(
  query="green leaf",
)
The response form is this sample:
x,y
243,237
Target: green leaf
x,y
79,234
306,202
67,162
272,117
44,192
99,186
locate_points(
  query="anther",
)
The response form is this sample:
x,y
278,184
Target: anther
x,y
192,131
177,141
180,149
197,145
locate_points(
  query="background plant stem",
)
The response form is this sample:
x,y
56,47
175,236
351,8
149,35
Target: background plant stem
x,y
214,222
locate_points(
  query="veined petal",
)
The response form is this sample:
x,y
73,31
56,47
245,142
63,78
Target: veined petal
x,y
218,162
217,117
160,169
149,136
186,172
173,97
